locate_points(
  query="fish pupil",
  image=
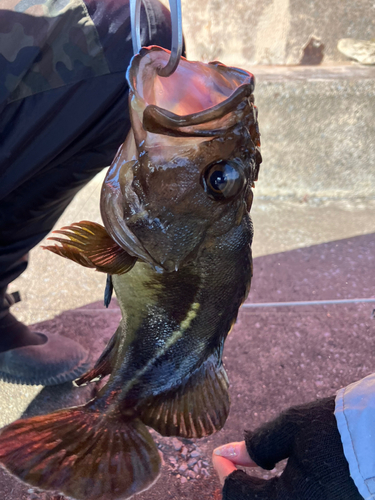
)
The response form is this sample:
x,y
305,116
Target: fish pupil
x,y
223,180
218,180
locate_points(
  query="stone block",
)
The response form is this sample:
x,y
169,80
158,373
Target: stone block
x,y
271,31
317,130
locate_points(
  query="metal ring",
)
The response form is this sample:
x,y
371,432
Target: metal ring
x,y
135,23
176,20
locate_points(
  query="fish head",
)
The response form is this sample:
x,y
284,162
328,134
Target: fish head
x,y
185,174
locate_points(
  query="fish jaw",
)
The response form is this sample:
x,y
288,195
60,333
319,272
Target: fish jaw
x,y
155,201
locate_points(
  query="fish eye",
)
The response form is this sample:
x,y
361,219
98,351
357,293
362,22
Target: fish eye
x,y
223,180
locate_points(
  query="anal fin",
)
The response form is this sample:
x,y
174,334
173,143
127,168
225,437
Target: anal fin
x,y
196,409
102,367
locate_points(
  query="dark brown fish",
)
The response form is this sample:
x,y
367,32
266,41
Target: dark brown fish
x,y
177,242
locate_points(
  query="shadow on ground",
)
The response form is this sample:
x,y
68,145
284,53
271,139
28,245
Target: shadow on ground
x,y
275,357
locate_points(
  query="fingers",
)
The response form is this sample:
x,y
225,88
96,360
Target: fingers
x,y
236,453
274,440
241,486
226,457
223,467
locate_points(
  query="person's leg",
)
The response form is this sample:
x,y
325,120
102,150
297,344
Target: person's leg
x,y
55,141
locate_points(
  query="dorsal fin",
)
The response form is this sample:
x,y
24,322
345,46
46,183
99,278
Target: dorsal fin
x,y
90,245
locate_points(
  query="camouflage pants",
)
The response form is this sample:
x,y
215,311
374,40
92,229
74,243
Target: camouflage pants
x,y
63,107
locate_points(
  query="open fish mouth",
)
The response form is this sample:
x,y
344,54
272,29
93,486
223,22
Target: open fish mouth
x,y
190,102
154,203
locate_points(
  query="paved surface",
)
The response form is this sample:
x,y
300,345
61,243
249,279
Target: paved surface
x,y
304,250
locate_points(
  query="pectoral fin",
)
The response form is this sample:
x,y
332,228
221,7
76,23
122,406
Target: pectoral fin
x,y
198,408
90,245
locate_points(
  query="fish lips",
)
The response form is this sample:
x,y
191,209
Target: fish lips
x,y
212,94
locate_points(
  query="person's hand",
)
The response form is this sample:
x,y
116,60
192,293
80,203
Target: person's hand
x,y
308,437
226,457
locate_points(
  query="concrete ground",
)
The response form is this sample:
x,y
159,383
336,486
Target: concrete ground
x,y
305,249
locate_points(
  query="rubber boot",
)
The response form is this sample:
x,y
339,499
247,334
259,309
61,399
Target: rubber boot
x,y
34,358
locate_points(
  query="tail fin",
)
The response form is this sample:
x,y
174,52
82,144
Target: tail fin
x,y
81,453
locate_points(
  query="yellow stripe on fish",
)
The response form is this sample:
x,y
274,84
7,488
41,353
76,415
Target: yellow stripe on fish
x,y
177,334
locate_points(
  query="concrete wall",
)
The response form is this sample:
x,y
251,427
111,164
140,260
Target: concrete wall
x,y
247,32
317,129
317,123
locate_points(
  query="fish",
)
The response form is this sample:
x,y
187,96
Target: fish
x,y
176,243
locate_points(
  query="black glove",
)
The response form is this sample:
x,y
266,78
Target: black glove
x,y
316,469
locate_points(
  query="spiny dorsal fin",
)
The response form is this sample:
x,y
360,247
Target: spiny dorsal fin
x,y
196,409
90,245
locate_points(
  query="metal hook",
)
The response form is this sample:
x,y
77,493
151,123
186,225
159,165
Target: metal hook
x,y
135,23
176,18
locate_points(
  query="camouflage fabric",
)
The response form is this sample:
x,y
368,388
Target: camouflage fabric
x,y
45,45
